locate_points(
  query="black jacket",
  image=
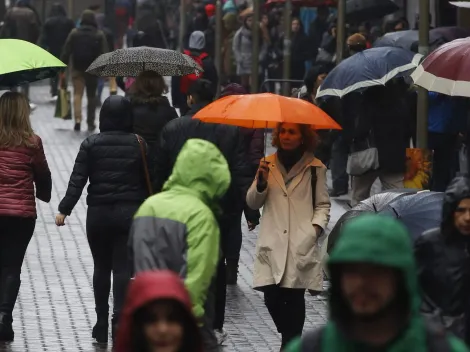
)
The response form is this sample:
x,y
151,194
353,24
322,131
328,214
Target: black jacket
x,y
443,259
150,116
227,138
110,160
56,30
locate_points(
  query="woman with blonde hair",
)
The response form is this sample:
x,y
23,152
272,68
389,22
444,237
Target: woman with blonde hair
x,y
291,188
150,108
23,167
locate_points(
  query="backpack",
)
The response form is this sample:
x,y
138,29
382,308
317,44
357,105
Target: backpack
x,y
436,340
187,80
86,47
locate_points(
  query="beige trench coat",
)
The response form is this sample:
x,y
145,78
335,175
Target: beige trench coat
x,y
287,251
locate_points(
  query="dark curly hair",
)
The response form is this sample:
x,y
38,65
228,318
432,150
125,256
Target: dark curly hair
x,y
309,137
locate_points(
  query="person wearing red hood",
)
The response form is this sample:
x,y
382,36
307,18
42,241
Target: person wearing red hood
x,y
210,10
157,316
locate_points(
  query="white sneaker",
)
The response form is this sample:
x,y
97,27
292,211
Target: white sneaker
x,y
32,106
221,336
53,99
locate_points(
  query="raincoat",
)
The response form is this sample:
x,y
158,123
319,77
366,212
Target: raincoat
x,y
147,288
383,241
177,228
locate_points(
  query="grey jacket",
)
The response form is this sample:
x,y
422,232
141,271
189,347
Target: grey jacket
x,y
242,49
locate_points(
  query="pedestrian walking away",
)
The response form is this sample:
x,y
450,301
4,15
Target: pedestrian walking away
x,y
374,296
158,313
84,44
24,175
444,263
177,229
291,187
113,162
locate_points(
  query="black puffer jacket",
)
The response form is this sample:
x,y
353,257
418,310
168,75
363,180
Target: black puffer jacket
x,y
227,138
111,160
443,259
150,116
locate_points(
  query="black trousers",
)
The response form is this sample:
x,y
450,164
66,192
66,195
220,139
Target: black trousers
x,y
15,234
338,163
108,231
444,163
287,309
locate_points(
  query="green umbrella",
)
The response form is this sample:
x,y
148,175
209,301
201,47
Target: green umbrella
x,y
22,62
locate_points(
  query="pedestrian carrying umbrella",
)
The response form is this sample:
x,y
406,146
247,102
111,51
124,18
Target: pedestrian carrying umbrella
x,y
446,70
419,212
131,62
371,67
265,110
22,62
358,11
409,40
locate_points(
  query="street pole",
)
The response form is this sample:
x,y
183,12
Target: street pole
x,y
255,34
183,26
70,8
341,31
218,41
422,118
287,46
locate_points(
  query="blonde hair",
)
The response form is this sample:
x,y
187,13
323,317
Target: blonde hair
x,y
15,126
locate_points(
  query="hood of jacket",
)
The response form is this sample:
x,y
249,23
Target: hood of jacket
x,y
458,190
146,288
230,22
197,40
116,115
379,240
88,19
200,168
57,10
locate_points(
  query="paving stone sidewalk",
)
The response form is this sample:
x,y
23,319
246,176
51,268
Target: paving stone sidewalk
x,y
55,309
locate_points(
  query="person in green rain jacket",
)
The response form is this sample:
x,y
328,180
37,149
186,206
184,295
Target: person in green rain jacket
x,y
177,229
374,302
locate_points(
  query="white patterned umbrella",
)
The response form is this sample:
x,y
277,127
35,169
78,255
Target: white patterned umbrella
x,y
132,61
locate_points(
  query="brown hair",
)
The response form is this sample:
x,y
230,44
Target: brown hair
x,y
15,126
309,137
149,86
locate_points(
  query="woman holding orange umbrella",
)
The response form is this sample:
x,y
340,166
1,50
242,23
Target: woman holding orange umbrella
x,y
291,188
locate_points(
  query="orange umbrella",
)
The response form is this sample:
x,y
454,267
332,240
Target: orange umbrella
x,y
265,110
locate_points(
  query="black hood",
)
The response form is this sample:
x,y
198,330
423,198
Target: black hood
x,y
116,115
458,189
57,10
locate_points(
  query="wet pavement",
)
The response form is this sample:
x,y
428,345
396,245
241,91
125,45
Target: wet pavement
x,y
55,308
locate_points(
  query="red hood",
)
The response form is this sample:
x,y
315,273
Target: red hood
x,y
145,288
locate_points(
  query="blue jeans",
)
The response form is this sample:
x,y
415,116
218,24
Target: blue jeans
x,y
99,91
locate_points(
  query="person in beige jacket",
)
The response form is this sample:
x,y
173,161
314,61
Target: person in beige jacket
x,y
291,187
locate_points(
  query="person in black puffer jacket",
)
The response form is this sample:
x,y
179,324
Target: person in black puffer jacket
x,y
112,162
151,110
229,140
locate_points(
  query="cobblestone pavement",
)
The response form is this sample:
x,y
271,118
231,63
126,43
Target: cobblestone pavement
x,y
55,309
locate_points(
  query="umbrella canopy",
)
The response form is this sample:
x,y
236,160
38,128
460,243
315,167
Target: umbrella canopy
x,y
334,234
365,10
409,40
379,201
305,3
131,62
450,33
419,212
446,70
463,4
264,110
22,62
372,67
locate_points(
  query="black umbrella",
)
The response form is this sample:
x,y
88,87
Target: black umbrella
x,y
409,40
334,234
365,10
419,212
450,33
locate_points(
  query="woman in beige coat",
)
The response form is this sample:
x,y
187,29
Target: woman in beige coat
x,y
291,187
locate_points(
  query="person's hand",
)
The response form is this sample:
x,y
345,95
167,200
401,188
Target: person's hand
x,y
263,174
60,219
251,225
333,32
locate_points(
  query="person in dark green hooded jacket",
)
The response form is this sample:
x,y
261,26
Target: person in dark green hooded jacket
x,y
375,302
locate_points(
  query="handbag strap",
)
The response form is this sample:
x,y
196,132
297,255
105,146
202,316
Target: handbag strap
x,y
144,162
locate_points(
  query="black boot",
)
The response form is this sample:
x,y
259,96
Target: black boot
x,y
232,271
100,330
10,286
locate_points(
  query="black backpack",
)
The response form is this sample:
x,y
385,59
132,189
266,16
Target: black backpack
x,y
436,339
86,47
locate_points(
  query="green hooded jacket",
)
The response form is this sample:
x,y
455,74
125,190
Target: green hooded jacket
x,y
177,229
381,240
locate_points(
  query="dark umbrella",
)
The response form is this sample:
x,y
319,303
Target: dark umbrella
x,y
131,62
306,3
334,234
419,212
450,33
409,40
365,10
